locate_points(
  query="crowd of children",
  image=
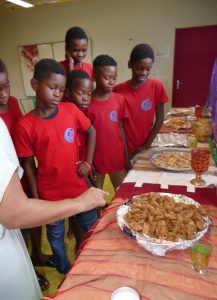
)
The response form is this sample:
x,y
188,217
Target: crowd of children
x,y
79,134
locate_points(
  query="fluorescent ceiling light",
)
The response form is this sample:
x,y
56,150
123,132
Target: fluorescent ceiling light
x,y
21,3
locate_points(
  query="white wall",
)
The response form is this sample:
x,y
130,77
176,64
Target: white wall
x,y
115,27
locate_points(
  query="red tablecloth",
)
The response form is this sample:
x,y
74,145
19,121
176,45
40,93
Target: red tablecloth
x,y
109,259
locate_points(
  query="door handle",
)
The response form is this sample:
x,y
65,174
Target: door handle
x,y
178,83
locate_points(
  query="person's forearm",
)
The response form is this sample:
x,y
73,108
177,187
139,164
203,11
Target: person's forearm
x,y
18,211
152,134
91,142
157,125
126,152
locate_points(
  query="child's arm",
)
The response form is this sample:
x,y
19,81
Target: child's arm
x,y
28,164
159,117
69,59
126,153
85,167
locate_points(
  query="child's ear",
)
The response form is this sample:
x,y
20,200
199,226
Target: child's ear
x,y
129,64
34,84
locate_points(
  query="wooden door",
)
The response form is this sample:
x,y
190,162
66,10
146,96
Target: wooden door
x,y
194,56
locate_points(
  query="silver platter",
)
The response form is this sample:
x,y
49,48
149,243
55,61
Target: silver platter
x,y
153,245
156,153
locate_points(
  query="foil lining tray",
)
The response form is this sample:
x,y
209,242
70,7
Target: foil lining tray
x,y
153,245
181,112
171,140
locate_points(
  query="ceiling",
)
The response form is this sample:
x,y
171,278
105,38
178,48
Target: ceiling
x,y
4,3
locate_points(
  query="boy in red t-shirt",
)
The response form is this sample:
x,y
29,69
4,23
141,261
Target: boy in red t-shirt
x,y
9,108
106,112
145,98
79,89
49,132
76,43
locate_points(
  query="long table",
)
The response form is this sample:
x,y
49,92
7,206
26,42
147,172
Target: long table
x,y
109,259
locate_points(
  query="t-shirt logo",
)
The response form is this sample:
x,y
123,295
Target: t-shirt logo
x,y
113,116
69,135
146,104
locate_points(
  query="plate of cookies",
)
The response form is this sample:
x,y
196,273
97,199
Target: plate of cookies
x,y
163,221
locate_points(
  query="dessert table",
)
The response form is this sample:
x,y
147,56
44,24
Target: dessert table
x,y
108,259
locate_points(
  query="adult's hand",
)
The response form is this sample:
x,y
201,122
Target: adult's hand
x,y
92,198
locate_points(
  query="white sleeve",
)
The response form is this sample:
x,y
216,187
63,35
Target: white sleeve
x,y
8,159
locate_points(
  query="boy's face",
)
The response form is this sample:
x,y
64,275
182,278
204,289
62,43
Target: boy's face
x,y
141,69
49,91
105,78
4,88
81,93
78,49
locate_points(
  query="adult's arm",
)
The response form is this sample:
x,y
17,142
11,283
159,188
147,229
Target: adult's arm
x,y
18,211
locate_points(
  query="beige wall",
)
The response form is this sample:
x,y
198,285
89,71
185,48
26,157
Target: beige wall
x,y
115,26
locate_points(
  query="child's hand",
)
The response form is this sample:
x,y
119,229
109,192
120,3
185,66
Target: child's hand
x,y
84,168
69,59
93,175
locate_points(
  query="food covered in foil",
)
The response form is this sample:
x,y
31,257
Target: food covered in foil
x,y
171,140
163,221
177,123
174,160
181,112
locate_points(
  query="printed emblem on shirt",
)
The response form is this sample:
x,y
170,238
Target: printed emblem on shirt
x,y
146,104
113,116
69,135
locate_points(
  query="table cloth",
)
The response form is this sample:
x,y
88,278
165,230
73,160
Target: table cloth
x,y
108,259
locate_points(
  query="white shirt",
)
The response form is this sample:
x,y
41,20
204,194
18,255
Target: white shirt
x,y
17,277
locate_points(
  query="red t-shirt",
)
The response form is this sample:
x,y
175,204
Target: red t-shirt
x,y
54,142
82,137
85,67
140,105
105,117
12,115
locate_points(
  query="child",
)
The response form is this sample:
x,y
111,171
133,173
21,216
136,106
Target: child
x,y
49,133
10,113
9,108
76,43
78,91
106,110
145,98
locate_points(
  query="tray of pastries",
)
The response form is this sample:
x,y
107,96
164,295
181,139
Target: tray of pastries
x,y
172,159
178,123
163,221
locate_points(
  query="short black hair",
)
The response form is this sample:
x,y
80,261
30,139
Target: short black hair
x,y
3,68
104,60
75,33
45,67
76,74
141,51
